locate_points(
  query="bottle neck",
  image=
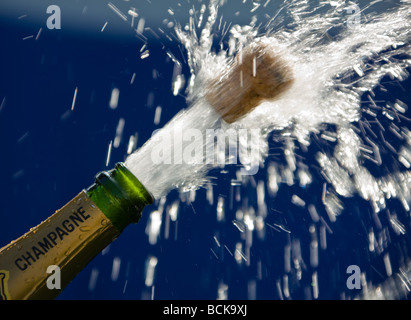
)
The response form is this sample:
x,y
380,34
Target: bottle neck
x,y
119,195
72,236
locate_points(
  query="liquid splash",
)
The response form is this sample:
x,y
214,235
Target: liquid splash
x,y
365,144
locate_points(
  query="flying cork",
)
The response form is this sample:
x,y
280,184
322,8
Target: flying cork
x,y
256,75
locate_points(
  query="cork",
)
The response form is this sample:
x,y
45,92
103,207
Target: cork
x,y
257,74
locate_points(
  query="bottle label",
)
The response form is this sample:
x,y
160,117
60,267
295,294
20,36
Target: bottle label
x,y
69,239
4,289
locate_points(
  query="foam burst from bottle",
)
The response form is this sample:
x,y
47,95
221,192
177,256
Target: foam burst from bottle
x,y
331,78
332,74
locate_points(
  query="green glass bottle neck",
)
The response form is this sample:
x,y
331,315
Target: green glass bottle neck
x,y
119,195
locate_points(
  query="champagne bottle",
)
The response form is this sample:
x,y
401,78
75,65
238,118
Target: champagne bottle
x,y
69,239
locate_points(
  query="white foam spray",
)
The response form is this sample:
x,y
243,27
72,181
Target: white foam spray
x,y
332,73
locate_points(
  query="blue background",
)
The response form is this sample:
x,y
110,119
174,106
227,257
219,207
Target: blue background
x,y
49,154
